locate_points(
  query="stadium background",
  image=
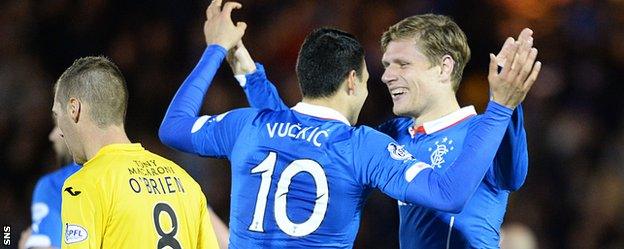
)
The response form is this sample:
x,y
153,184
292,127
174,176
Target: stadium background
x,y
575,186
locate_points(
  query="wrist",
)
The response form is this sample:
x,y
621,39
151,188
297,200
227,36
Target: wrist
x,y
503,103
500,109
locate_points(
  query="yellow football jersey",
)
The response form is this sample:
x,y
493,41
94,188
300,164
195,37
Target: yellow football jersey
x,y
128,197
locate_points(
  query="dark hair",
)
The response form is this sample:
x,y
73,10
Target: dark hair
x,y
326,57
98,82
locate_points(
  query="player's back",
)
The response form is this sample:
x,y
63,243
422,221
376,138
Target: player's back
x,y
136,199
296,182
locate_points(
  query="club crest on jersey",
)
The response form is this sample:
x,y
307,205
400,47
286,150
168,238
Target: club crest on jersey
x,y
74,233
440,149
398,152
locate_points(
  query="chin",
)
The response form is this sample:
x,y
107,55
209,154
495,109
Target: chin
x,y
398,111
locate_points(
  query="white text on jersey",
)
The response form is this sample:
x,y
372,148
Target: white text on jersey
x,y
296,131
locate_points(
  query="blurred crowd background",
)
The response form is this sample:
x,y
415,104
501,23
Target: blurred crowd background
x,y
574,113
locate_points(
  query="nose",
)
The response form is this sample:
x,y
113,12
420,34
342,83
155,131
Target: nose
x,y
389,75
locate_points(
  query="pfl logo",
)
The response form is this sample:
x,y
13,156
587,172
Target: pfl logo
x,y
7,235
74,233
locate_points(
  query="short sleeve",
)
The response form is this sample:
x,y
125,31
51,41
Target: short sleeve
x,y
82,215
207,237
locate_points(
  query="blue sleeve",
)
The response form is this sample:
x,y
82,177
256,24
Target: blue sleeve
x,y
46,218
260,92
396,173
382,163
179,129
512,159
449,191
215,136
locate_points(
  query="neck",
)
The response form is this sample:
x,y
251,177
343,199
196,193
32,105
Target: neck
x,y
100,137
337,104
437,110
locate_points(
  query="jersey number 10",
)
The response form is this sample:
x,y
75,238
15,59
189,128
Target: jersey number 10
x,y
265,168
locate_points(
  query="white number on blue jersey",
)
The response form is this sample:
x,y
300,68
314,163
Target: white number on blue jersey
x,y
266,168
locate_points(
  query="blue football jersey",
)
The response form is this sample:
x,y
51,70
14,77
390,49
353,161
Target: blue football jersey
x,y
438,143
46,208
300,176
300,180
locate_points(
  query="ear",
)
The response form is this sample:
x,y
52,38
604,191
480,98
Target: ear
x,y
74,108
446,68
351,82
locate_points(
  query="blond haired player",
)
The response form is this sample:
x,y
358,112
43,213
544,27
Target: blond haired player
x,y
124,196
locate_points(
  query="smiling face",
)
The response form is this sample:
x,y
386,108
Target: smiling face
x,y
410,77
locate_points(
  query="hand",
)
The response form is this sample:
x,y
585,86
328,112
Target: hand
x,y
525,36
240,61
510,86
219,28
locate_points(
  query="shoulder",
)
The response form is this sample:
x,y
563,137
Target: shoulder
x,y
395,125
46,180
179,170
90,175
367,139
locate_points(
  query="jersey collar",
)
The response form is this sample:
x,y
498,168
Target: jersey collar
x,y
443,122
115,147
119,147
319,112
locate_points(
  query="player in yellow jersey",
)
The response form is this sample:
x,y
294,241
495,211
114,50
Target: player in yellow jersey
x,y
124,196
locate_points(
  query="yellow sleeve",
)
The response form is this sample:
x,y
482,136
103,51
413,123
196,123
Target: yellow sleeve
x,y
82,215
207,238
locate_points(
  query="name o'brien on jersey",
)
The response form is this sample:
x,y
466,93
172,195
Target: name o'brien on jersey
x,y
151,179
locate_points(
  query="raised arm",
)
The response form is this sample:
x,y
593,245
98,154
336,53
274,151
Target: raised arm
x,y
450,190
220,34
509,87
260,92
511,162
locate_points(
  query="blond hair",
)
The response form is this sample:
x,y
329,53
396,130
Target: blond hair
x,y
97,81
436,35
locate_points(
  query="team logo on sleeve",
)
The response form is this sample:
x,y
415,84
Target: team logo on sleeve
x,y
74,233
397,152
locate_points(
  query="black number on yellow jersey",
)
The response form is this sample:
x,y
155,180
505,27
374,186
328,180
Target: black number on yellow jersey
x,y
166,239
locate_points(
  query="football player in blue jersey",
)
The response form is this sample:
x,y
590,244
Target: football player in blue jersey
x,y
46,226
300,176
424,57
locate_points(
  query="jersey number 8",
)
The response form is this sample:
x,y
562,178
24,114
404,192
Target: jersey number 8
x,y
166,239
265,168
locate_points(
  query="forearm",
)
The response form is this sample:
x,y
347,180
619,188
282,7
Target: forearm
x,y
187,102
511,162
260,92
450,190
